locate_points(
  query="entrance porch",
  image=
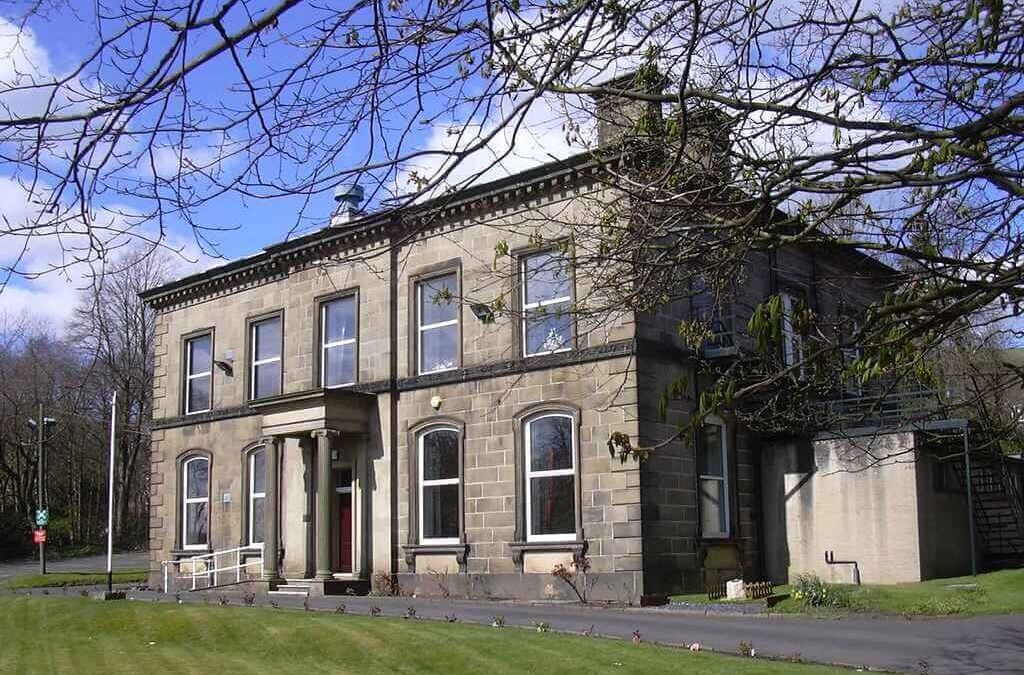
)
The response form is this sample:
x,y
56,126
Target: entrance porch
x,y
318,501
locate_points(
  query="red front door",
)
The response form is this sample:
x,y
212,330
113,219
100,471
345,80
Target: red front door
x,y
345,541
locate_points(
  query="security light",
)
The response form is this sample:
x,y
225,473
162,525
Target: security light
x,y
482,312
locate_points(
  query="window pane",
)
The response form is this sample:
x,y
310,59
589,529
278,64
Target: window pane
x,y
259,471
340,365
199,355
256,536
438,347
195,523
267,379
440,511
267,339
712,465
438,300
712,506
197,476
547,276
552,505
551,443
340,319
198,394
440,455
548,328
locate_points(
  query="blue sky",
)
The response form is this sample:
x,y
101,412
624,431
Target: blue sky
x,y
55,44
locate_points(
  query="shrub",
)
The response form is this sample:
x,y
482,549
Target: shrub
x,y
811,591
386,584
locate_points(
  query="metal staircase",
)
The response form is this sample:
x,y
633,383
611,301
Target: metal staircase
x,y
996,485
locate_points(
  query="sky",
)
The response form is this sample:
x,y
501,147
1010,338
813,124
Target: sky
x,y
50,277
53,268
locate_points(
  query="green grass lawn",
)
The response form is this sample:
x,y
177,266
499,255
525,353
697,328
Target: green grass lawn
x,y
996,593
75,579
81,636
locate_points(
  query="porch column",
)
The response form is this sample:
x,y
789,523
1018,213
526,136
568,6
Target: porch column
x,y
272,509
324,493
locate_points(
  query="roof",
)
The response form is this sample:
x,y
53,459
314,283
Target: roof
x,y
379,225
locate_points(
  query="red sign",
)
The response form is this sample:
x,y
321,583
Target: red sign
x,y
39,536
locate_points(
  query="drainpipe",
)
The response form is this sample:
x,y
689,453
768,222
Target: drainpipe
x,y
393,388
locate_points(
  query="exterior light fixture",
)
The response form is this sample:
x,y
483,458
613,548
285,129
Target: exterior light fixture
x,y
481,311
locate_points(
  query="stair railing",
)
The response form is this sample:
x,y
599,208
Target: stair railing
x,y
208,566
1011,479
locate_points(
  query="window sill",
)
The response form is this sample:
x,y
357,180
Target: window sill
x,y
190,552
460,551
578,548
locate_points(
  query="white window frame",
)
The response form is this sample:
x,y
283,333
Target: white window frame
x,y
724,479
422,328
531,474
436,541
325,346
791,342
526,306
262,362
189,377
851,383
186,500
253,495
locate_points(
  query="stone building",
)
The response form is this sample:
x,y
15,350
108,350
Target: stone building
x,y
352,397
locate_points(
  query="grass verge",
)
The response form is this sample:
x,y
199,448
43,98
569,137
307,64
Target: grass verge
x,y
61,579
85,637
993,593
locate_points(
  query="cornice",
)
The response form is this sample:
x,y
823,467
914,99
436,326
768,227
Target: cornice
x,y
611,350
279,260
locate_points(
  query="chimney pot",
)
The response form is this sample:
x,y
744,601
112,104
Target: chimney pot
x,y
348,197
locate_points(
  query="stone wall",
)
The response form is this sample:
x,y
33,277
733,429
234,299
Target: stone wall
x,y
838,499
490,411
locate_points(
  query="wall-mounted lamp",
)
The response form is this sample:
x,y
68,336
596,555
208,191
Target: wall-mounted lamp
x,y
482,312
226,365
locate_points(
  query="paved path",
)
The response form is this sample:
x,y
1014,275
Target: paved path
x,y
135,560
961,646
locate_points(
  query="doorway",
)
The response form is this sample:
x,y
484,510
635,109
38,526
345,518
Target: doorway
x,y
346,523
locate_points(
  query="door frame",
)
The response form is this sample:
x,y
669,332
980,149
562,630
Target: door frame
x,y
350,490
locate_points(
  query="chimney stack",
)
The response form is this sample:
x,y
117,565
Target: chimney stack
x,y
630,123
348,197
620,118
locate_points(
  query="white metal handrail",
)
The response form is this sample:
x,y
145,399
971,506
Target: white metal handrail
x,y
211,570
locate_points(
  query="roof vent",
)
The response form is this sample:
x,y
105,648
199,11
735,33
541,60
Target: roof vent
x,y
348,197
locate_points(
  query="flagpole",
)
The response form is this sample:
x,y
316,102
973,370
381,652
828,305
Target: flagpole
x,y
110,497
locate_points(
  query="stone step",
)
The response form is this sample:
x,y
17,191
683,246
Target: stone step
x,y
291,589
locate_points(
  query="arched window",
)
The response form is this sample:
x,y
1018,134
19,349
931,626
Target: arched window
x,y
550,454
195,505
256,494
439,485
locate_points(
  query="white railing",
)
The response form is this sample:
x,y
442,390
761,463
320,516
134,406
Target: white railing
x,y
207,566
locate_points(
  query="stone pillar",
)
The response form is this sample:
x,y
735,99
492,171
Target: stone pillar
x,y
324,493
271,526
309,508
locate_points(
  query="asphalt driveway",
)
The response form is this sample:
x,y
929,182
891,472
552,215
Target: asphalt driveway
x,y
949,645
135,560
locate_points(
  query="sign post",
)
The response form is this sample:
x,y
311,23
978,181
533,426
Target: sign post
x,y
41,470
